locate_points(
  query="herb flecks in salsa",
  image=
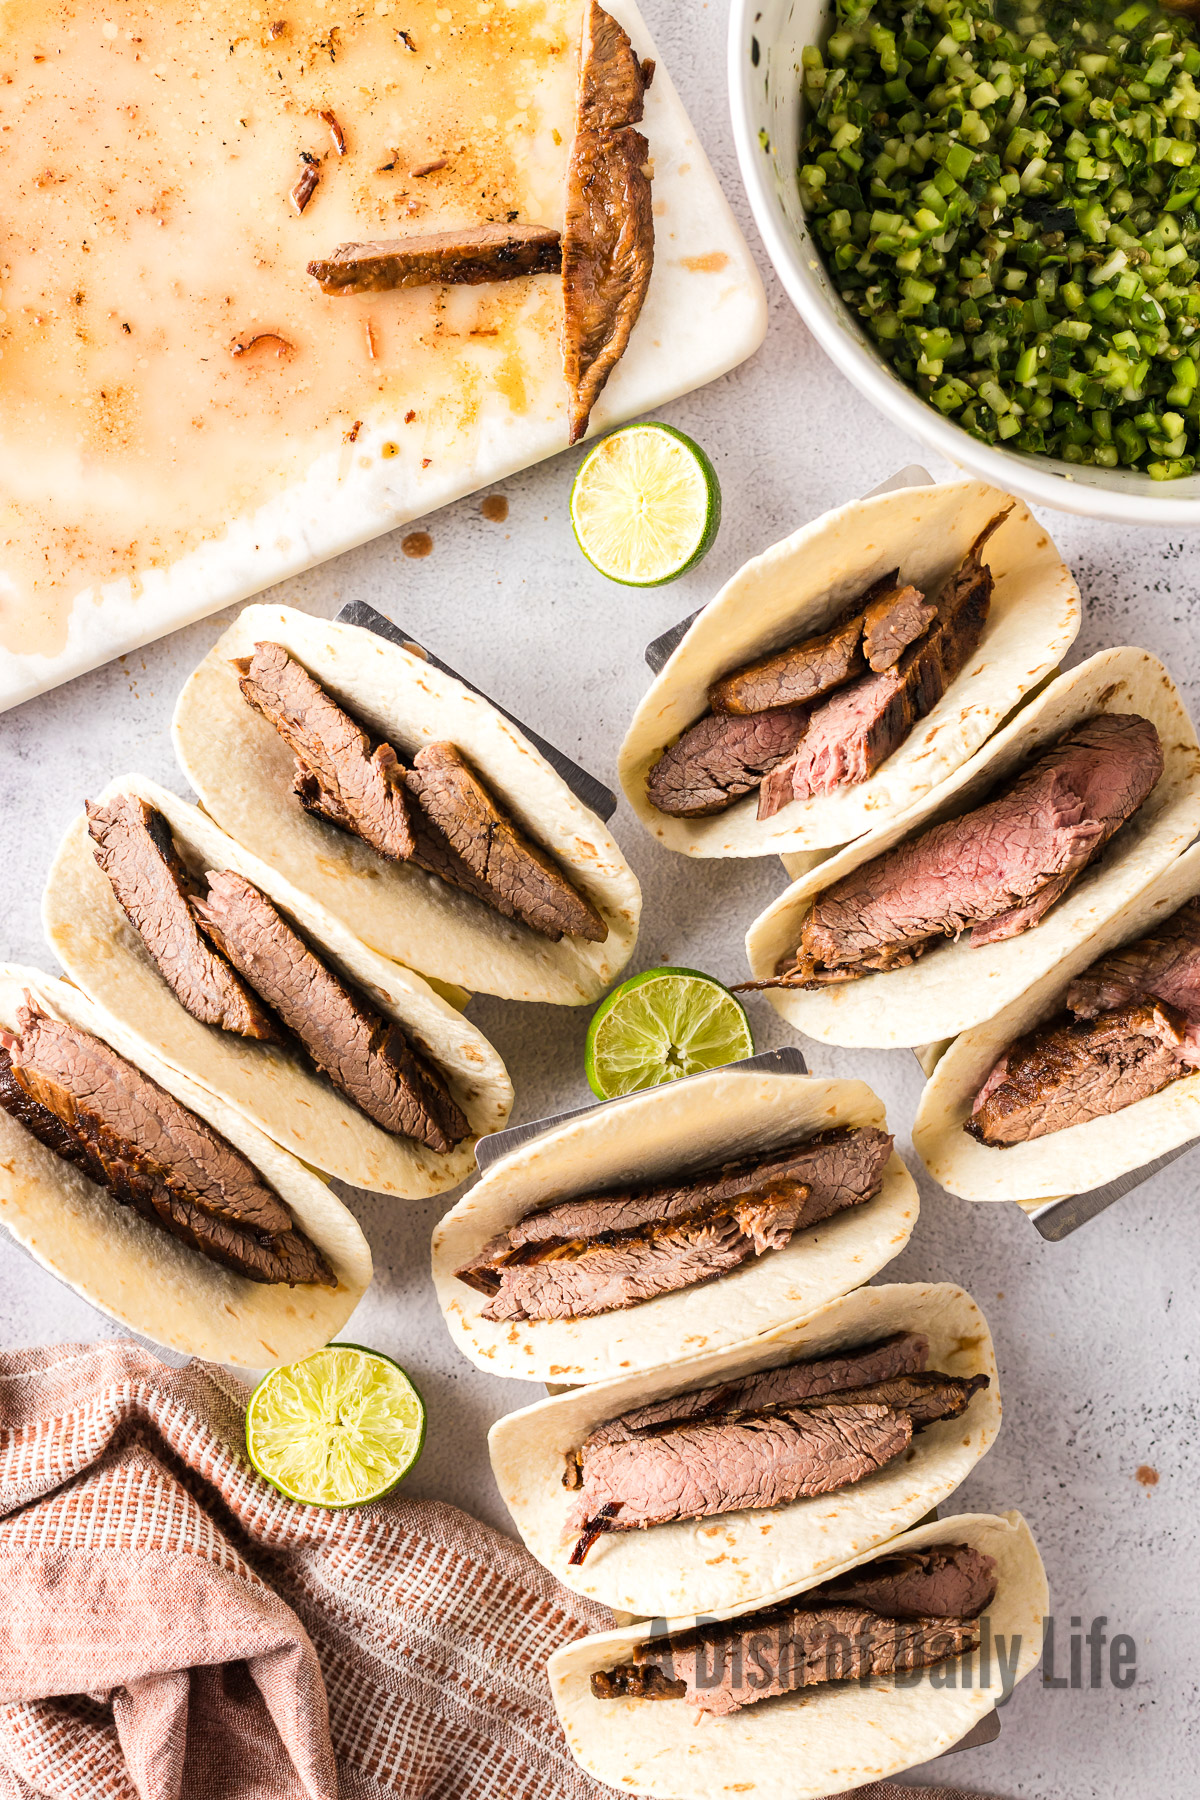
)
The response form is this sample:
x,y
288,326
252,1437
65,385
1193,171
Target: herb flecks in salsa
x,y
1010,201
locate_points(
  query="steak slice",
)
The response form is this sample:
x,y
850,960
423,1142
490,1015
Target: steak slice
x,y
720,758
699,1470
892,620
608,236
797,675
835,1169
591,1276
521,880
946,1581
337,773
1043,828
366,1057
924,1397
1165,965
781,1649
902,1354
853,732
97,1111
1079,1070
135,849
471,255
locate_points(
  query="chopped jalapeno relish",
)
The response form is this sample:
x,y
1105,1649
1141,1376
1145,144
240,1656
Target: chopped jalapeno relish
x,y
1009,199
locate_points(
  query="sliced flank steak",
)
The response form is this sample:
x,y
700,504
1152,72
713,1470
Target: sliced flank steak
x,y
474,254
608,236
804,1183
366,1056
995,870
857,729
1165,965
720,758
127,1134
769,1456
521,880
437,814
135,849
905,1353
338,775
819,1636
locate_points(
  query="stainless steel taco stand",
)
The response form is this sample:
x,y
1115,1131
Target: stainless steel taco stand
x,y
585,787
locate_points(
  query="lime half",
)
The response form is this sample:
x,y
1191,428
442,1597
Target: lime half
x,y
646,505
337,1429
661,1026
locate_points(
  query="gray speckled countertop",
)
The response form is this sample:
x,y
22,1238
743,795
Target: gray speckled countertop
x,y
1095,1336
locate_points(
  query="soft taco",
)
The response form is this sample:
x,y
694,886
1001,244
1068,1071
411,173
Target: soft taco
x,y
675,1221
225,970
157,1202
820,1689
796,1451
412,809
921,930
846,671
1093,1071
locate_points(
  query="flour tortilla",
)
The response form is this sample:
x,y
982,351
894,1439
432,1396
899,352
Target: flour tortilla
x,y
242,770
143,1277
273,1084
808,1744
1084,1156
672,1569
645,1138
954,986
796,588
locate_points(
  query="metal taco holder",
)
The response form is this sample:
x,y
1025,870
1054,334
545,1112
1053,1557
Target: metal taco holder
x,y
594,795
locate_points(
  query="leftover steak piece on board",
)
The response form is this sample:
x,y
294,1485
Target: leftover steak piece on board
x,y
475,254
365,1055
996,869
101,1113
608,237
135,849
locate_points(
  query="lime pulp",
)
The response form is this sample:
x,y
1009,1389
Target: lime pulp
x,y
338,1428
659,1027
645,505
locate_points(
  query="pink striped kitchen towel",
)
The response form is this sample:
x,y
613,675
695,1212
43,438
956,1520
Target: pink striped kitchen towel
x,y
174,1629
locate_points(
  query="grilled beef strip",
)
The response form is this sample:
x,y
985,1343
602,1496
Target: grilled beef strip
x,y
1165,965
521,880
996,869
591,1276
135,849
97,1111
733,1460
845,1630
438,814
823,1174
720,758
608,236
475,254
870,633
366,1056
903,1353
338,775
1077,1070
857,729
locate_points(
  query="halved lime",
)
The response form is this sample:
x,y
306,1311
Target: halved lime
x,y
661,1026
646,505
339,1428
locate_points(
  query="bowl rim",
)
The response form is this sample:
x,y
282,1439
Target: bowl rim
x,y
1038,480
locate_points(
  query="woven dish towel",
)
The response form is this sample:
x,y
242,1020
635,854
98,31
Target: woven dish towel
x,y
174,1629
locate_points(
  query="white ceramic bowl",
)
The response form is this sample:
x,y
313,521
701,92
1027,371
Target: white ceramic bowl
x,y
766,38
